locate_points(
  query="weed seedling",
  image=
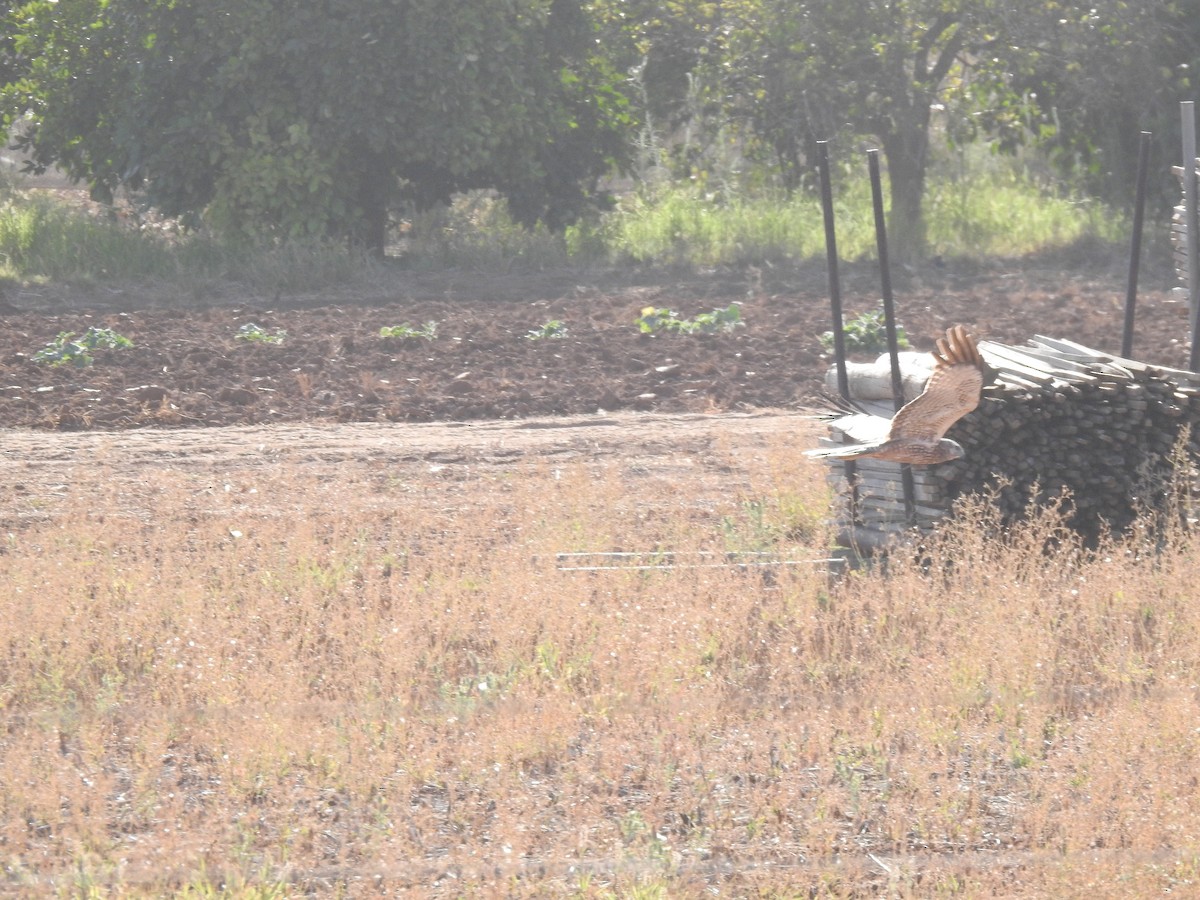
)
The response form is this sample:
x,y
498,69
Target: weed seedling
x,y
867,333
427,332
552,329
654,319
258,335
66,349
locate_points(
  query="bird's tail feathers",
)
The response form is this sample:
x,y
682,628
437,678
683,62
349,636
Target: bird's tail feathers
x,y
844,451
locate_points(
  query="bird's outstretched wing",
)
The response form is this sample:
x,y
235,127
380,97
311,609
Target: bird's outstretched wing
x,y
917,431
952,390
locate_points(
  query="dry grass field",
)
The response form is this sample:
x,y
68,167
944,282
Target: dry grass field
x,y
304,661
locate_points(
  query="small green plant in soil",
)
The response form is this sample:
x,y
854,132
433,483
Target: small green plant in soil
x,y
867,333
427,332
551,330
66,349
256,334
654,319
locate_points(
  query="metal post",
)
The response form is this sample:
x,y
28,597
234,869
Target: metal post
x,y
1135,250
1187,111
889,319
849,468
831,256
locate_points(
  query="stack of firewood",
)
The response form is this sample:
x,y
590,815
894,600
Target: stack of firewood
x,y
1179,235
1057,417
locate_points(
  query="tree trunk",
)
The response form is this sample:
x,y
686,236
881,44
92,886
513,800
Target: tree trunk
x,y
373,195
906,129
906,150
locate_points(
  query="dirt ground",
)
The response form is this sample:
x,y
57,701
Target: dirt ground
x,y
334,398
697,460
684,421
187,368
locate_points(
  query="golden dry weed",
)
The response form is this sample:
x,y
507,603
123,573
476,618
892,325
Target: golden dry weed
x,y
370,686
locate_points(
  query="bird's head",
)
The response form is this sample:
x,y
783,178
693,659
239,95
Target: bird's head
x,y
952,449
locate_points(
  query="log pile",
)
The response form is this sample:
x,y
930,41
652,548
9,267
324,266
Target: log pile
x,y
1056,417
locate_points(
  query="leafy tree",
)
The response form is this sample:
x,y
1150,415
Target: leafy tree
x,y
1090,79
282,118
660,44
815,69
786,73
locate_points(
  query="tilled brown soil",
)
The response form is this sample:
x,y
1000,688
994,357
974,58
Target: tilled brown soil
x,y
188,368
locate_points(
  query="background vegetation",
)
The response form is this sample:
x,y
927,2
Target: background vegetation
x,y
373,679
990,206
239,118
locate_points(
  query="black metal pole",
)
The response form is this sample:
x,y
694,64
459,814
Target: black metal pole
x,y
850,467
889,320
885,275
831,257
1187,112
1135,250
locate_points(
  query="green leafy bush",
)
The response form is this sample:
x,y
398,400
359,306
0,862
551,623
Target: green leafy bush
x,y
66,349
654,319
867,333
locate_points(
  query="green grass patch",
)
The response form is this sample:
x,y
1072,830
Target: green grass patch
x,y
41,238
1004,213
994,214
44,239
981,210
476,232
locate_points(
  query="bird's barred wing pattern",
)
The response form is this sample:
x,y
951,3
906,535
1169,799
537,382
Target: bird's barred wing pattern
x,y
951,392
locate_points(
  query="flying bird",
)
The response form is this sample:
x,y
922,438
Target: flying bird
x,y
917,431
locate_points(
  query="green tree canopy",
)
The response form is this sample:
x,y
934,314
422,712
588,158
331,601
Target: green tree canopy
x,y
1092,78
288,118
1078,81
820,69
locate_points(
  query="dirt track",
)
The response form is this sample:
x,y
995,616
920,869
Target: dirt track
x,y
43,471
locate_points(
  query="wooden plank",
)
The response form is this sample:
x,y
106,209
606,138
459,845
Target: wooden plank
x,y
1094,362
884,472
1131,365
1071,350
1052,360
1034,366
869,466
921,477
925,494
